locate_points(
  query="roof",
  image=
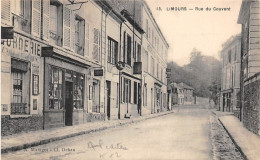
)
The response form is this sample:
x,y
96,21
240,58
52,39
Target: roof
x,y
149,10
185,86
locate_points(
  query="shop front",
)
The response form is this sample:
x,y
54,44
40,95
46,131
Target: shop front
x,y
130,95
21,72
65,92
158,97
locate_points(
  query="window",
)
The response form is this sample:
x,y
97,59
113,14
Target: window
x,y
55,88
146,61
129,50
20,103
79,35
157,70
152,38
135,51
78,90
18,7
117,95
235,53
126,91
122,90
139,53
21,10
35,84
147,33
135,92
161,74
229,56
96,96
152,66
112,51
56,29
96,45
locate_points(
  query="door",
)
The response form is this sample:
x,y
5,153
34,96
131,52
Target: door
x,y
152,108
108,98
139,98
68,103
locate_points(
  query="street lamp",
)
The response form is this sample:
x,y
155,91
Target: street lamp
x,y
120,66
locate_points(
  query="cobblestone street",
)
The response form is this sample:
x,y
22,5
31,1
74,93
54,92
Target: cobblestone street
x,y
223,147
191,132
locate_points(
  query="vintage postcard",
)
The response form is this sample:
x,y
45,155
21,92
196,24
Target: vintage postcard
x,y
130,79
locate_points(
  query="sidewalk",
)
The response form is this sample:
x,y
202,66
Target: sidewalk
x,y
34,138
247,142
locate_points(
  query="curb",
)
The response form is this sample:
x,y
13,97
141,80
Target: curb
x,y
237,146
53,139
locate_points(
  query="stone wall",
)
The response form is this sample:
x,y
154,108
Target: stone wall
x,y
252,106
16,125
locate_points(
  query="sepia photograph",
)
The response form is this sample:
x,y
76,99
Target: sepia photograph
x,y
130,80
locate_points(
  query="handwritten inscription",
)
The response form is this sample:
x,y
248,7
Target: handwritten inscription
x,y
107,151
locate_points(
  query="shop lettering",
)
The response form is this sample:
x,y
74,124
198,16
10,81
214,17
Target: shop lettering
x,y
23,44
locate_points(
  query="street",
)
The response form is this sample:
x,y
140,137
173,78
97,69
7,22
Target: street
x,y
189,133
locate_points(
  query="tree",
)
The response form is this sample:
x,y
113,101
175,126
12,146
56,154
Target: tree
x,y
202,73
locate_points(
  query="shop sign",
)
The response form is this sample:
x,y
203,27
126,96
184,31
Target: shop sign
x,y
22,44
7,32
98,72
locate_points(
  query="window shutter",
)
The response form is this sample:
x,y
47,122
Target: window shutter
x,y
87,39
125,47
72,31
46,19
66,27
36,17
6,10
96,44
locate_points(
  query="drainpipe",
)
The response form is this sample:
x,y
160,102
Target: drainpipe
x,y
43,109
103,66
119,82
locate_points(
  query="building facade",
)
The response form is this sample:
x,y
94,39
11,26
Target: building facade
x,y
187,93
250,58
231,67
181,93
154,57
60,64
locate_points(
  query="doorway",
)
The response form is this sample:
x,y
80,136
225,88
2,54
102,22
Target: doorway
x,y
68,103
152,108
139,99
108,98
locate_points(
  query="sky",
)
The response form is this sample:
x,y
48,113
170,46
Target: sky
x,y
204,30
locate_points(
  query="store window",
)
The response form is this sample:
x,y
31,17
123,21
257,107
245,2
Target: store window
x,y
78,91
35,84
55,88
112,51
20,102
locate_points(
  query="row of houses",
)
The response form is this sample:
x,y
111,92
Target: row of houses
x,y
240,85
67,62
180,94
